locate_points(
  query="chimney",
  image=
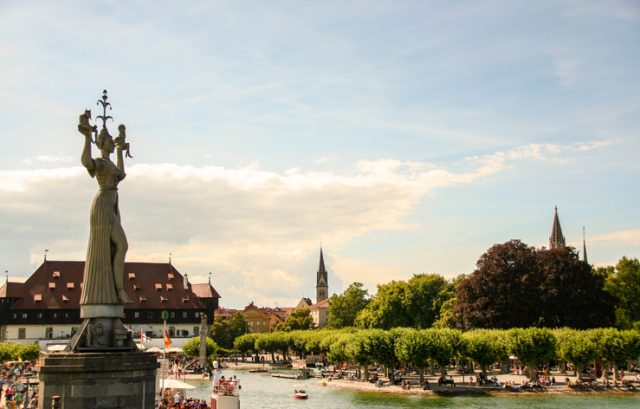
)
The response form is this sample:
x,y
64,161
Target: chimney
x,y
186,281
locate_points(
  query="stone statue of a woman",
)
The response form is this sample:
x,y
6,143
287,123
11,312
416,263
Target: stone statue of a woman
x,y
104,267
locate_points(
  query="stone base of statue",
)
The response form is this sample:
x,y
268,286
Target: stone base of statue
x,y
101,330
92,380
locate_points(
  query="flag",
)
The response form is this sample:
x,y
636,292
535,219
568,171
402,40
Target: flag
x,y
143,337
167,340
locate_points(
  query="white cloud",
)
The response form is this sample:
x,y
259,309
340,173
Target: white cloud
x,y
254,229
628,237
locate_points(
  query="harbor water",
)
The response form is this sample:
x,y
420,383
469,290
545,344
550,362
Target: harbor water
x,y
261,391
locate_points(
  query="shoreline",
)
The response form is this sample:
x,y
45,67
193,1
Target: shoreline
x,y
461,388
469,390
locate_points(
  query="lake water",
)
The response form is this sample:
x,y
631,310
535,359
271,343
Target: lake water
x,y
261,391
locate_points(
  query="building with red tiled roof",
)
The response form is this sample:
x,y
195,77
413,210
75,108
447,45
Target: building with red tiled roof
x,y
46,305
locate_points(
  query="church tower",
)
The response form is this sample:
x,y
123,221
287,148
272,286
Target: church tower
x,y
584,247
322,282
556,240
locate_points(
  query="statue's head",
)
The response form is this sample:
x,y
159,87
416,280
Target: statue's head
x,y
87,113
104,141
121,128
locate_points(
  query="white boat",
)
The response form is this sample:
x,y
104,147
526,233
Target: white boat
x,y
225,394
299,393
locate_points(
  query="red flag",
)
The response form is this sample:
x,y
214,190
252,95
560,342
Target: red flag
x,y
167,340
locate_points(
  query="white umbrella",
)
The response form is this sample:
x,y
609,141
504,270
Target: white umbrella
x,y
175,384
154,349
174,349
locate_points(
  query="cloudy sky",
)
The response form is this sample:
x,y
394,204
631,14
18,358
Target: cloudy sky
x,y
403,137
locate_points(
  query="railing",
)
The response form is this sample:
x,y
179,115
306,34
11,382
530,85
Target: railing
x,y
226,387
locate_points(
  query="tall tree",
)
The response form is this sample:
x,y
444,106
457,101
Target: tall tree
x,y
502,291
344,308
298,319
624,285
571,294
225,331
415,303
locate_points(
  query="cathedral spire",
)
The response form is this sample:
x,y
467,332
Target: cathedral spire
x,y
556,240
322,281
584,247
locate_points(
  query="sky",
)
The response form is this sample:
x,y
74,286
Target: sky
x,y
402,137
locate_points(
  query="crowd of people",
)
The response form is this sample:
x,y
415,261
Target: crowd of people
x,y
17,391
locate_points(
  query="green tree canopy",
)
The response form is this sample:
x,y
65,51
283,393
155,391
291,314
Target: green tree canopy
x,y
192,348
533,346
624,285
344,308
225,331
415,303
298,319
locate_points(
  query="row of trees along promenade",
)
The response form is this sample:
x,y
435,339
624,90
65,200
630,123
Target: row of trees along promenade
x,y
434,348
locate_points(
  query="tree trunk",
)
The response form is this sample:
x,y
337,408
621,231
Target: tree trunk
x,y
615,373
365,372
421,372
578,372
483,368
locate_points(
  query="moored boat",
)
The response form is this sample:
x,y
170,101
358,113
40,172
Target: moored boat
x,y
299,393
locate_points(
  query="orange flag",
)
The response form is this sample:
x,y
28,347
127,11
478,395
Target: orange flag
x,y
167,340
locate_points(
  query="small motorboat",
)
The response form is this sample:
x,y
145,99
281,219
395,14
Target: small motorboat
x,y
299,393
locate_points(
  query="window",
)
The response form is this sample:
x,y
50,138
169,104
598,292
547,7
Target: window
x,y
14,315
132,276
74,330
25,315
172,314
39,315
136,314
137,287
196,331
185,314
170,276
66,315
196,314
150,314
65,298
185,299
52,285
37,297
158,286
169,287
143,299
55,274
172,331
71,285
48,333
55,315
164,299
22,333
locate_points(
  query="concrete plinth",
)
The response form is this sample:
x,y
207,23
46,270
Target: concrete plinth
x,y
89,380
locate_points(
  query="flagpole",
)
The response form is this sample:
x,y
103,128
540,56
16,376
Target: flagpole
x,y
165,315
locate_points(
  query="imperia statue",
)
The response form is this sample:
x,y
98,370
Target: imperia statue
x,y
104,266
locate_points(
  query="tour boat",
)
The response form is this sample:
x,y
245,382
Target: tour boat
x,y
225,394
299,393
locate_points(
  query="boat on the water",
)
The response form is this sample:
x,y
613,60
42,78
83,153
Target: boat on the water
x,y
225,393
299,393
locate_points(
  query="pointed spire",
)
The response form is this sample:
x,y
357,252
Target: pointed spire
x,y
584,247
322,281
556,240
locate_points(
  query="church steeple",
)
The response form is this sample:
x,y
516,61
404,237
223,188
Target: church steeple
x,y
556,240
322,281
584,247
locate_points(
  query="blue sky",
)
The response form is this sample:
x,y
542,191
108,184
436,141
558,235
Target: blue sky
x,y
405,137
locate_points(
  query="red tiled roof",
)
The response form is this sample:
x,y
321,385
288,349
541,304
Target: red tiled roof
x,y
51,284
11,290
322,304
204,290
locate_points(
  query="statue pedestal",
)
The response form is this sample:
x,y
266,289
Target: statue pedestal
x,y
91,380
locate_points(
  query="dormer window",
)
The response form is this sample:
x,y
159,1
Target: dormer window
x,y
158,286
185,299
37,297
132,276
55,274
71,285
142,299
170,276
65,298
169,287
164,299
52,285
137,287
